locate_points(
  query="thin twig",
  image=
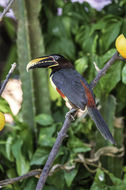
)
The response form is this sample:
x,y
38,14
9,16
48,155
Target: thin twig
x,y
104,151
103,71
7,77
53,153
6,9
96,67
13,180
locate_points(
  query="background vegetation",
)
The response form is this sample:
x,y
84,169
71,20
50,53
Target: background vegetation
x,y
84,35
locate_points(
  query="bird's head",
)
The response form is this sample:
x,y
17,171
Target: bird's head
x,y
54,61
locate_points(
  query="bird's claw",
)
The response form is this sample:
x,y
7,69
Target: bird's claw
x,y
69,113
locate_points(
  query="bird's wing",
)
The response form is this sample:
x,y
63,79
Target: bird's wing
x,y
69,83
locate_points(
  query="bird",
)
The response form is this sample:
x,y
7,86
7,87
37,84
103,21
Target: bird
x,y
73,88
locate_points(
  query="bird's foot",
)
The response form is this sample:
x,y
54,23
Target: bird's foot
x,y
70,113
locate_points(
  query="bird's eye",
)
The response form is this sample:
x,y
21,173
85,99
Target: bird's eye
x,y
56,57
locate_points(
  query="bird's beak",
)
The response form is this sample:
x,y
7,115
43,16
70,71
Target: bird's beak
x,y
42,62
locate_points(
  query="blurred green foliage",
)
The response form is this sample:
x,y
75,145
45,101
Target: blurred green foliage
x,y
84,35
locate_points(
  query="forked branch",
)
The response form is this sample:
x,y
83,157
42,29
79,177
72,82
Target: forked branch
x,y
62,134
66,125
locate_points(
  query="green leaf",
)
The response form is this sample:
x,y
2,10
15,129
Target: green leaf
x,y
109,34
1,168
21,164
77,146
45,136
124,74
30,185
84,38
69,176
106,56
118,187
94,44
8,148
56,27
50,187
124,178
64,45
109,81
40,156
115,180
59,3
99,181
81,64
10,60
70,24
4,106
46,141
11,173
100,24
96,186
10,28
57,179
48,131
44,119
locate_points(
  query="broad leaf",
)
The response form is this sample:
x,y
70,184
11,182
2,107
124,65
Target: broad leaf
x,y
69,176
45,136
109,34
81,64
40,156
109,81
21,164
124,74
4,106
8,148
44,119
77,146
30,185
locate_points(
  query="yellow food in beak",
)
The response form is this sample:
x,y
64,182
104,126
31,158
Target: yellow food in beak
x,y
121,45
2,121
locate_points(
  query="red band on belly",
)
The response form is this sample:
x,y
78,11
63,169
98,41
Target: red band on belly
x,y
61,94
91,101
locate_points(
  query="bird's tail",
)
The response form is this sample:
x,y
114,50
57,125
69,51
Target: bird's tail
x,y
100,123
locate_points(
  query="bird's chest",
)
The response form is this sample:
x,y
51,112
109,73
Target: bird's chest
x,y
56,88
69,104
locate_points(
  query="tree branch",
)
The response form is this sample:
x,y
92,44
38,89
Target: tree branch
x,y
61,136
103,71
53,153
13,180
104,151
6,9
7,77
66,125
